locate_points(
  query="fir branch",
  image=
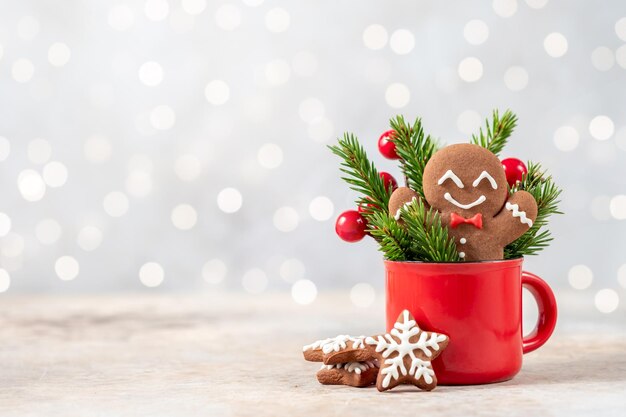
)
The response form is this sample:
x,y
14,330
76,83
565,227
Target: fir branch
x,y
362,175
497,132
546,194
414,149
430,239
394,241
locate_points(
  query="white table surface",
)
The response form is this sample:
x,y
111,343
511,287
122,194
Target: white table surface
x,y
234,355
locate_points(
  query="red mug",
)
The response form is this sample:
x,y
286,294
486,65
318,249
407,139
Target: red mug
x,y
479,306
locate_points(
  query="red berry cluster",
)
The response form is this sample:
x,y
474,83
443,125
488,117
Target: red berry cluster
x,y
351,225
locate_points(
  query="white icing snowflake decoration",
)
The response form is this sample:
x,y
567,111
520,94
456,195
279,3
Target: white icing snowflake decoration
x,y
420,351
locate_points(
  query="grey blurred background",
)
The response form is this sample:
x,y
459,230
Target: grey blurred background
x,y
180,145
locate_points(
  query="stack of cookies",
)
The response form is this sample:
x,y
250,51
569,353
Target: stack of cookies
x,y
402,356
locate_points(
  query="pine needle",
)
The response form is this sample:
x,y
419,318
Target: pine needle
x,y
430,239
414,149
546,194
394,241
496,133
362,175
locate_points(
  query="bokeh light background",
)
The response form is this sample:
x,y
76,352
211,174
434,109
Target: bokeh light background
x,y
180,145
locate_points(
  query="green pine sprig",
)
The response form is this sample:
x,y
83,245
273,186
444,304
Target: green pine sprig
x,y
496,133
362,175
429,238
414,148
394,240
546,194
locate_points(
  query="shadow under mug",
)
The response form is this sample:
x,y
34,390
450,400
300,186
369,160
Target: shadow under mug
x,y
479,306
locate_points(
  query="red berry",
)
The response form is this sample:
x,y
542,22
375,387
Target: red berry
x,y
366,208
386,146
514,169
389,180
350,226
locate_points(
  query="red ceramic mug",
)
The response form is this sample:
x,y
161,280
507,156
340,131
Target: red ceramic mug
x,y
479,306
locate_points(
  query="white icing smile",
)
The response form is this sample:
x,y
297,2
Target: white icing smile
x,y
478,201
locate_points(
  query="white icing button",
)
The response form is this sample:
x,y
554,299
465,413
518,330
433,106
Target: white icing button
x,y
461,254
463,241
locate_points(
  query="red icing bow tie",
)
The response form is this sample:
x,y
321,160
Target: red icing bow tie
x,y
476,221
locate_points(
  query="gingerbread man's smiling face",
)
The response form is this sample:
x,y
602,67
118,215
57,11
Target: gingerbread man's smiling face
x,y
465,179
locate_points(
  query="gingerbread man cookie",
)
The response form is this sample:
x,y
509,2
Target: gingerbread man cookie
x,y
467,185
405,354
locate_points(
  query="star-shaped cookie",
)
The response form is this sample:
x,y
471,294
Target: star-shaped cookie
x,y
405,354
320,350
354,374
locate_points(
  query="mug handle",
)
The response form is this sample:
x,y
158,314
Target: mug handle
x,y
546,303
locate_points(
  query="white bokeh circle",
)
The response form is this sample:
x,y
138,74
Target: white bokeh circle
x,y
5,280
470,69
254,281
397,95
214,271
22,70
286,219
89,238
601,127
375,37
151,274
67,268
270,156
321,208
217,92
48,231
303,291
516,78
476,32
156,10
566,138
228,17
606,300
311,109
617,207
362,295
184,217
292,269
5,224
402,41
31,185
504,8
162,117
55,174
555,44
602,58
580,277
59,54
277,20
188,167
115,204
468,122
150,73
229,200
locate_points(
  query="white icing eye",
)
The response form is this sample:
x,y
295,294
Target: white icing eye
x,y
452,176
486,175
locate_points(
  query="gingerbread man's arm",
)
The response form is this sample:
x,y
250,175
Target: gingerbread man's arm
x,y
400,197
516,217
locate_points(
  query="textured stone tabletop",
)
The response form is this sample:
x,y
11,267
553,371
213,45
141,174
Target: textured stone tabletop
x,y
227,355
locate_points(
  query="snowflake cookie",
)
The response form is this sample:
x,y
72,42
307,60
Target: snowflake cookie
x,y
405,354
354,374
